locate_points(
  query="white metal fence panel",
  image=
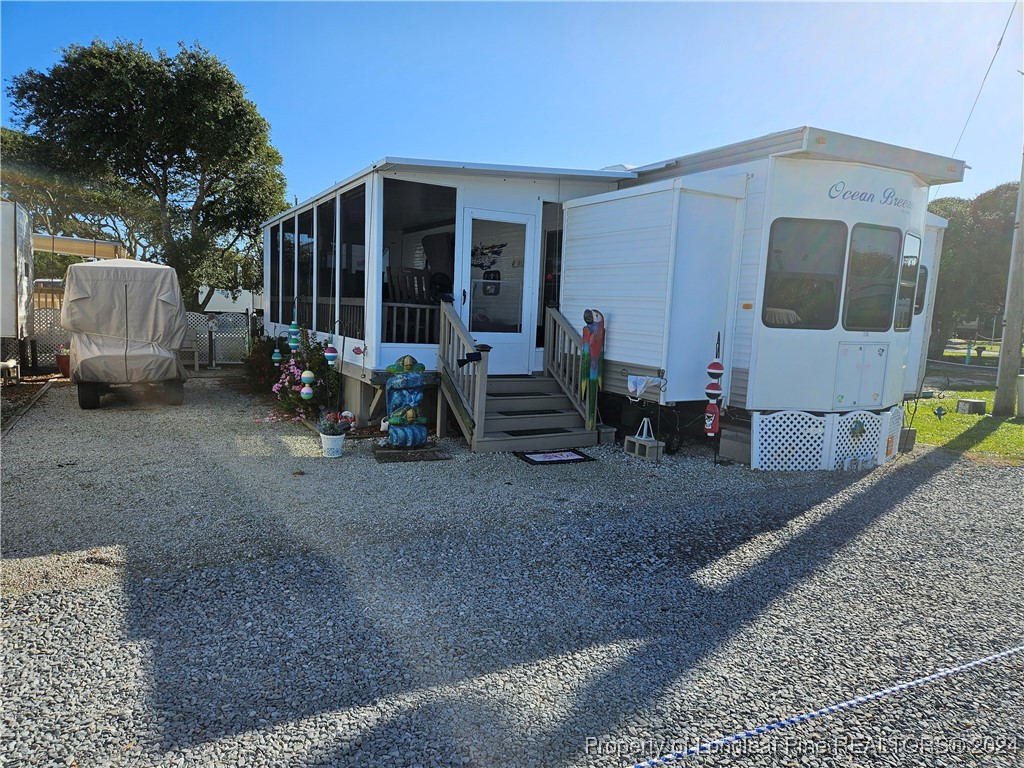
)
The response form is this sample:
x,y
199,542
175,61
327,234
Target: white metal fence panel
x,y
230,336
48,335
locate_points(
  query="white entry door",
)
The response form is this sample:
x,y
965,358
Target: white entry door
x,y
500,298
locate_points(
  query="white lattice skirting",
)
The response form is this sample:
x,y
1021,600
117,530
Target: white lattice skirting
x,y
795,440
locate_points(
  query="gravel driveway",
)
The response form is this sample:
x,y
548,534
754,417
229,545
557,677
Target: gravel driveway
x,y
196,586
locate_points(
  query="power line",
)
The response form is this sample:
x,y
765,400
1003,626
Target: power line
x,y
982,86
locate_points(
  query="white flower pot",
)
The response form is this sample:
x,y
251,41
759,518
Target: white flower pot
x,y
332,445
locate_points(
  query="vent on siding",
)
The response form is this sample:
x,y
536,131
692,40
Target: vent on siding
x,y
739,378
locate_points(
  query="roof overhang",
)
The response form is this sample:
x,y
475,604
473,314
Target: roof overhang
x,y
78,246
417,165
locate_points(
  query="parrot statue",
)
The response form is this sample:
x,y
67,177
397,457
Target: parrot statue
x,y
591,362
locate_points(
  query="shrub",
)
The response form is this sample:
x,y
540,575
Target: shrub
x,y
326,385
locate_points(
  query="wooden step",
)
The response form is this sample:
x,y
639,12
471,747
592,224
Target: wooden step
x,y
507,402
523,384
576,437
499,421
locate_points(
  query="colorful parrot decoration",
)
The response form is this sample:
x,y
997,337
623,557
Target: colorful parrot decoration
x,y
591,362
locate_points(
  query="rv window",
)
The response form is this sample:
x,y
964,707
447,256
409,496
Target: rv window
x,y
805,265
275,273
871,279
908,282
922,286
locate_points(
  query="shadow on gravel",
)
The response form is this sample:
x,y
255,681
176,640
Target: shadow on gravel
x,y
265,644
248,647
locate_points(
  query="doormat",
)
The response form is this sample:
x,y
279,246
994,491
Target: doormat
x,y
553,457
387,455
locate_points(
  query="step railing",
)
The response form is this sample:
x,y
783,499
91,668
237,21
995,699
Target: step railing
x,y
563,356
462,369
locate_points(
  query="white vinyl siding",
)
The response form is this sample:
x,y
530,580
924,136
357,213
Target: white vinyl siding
x,y
616,260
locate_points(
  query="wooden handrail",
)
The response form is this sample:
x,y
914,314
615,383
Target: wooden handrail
x,y
464,387
563,356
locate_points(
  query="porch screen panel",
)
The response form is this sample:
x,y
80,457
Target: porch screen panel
x,y
325,267
353,263
287,269
274,266
304,289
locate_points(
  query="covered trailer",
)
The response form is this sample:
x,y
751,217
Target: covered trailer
x,y
811,287
127,321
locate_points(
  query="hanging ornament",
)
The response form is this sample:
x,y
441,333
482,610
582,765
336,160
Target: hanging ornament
x,y
277,357
293,344
306,392
308,377
715,369
293,329
713,391
330,353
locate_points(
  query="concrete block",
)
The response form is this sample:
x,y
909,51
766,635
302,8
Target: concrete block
x,y
643,449
964,405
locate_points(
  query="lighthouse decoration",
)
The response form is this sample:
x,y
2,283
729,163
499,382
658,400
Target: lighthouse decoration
x,y
714,392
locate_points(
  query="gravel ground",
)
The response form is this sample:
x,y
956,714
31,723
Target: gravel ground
x,y
195,586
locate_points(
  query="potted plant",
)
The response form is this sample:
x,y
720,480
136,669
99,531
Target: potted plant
x,y
332,427
63,357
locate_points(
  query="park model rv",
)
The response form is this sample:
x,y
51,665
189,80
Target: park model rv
x,y
795,255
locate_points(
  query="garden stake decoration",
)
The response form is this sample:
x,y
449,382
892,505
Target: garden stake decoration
x,y
713,391
591,362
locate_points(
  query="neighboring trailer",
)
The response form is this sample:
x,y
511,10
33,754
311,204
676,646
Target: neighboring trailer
x,y
818,301
16,313
127,321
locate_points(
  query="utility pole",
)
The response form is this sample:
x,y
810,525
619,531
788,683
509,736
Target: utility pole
x,y
1013,319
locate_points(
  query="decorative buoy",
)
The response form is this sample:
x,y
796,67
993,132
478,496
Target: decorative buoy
x,y
308,377
293,329
715,369
306,392
293,344
713,391
277,357
349,416
330,353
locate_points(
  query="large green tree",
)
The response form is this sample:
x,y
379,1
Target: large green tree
x,y
975,258
177,130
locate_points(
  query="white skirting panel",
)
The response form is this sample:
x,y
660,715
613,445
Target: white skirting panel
x,y
793,441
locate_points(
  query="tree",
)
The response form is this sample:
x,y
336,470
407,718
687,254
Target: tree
x,y
177,130
975,258
100,207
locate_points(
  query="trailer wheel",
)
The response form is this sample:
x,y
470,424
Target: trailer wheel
x,y
673,442
174,392
88,395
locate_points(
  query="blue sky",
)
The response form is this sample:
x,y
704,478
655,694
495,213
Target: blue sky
x,y
582,85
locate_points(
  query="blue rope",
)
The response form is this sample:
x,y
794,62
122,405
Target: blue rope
x,y
829,710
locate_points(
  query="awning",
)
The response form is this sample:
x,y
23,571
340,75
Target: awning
x,y
78,246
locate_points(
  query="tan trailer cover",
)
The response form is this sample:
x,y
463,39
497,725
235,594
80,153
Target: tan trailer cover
x,y
126,319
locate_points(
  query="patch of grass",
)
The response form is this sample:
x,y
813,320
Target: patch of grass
x,y
983,437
